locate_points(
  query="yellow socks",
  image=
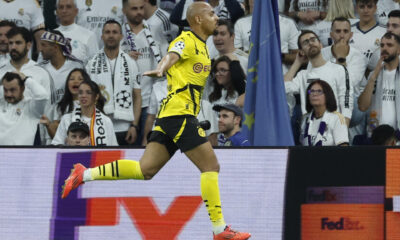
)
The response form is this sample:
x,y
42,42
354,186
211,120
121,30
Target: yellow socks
x,y
120,169
210,194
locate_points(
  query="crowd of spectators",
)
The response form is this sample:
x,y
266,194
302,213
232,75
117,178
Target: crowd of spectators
x,y
71,70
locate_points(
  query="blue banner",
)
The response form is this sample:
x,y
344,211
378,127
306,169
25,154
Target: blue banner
x,y
267,120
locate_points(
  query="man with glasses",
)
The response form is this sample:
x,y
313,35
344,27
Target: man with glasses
x,y
335,75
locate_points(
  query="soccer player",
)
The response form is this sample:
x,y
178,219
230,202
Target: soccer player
x,y
188,66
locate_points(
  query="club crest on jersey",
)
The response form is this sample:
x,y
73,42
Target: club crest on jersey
x,y
88,4
377,42
21,11
114,9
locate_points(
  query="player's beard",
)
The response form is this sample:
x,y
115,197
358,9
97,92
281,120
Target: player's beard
x,y
390,58
17,56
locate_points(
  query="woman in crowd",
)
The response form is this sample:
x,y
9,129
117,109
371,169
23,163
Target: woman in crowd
x,y
308,13
336,8
68,102
322,125
228,82
89,111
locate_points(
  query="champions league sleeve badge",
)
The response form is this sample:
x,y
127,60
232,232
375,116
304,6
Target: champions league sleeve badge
x,y
123,99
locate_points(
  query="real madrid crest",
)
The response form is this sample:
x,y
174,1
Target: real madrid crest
x,y
114,9
21,11
88,4
18,111
377,42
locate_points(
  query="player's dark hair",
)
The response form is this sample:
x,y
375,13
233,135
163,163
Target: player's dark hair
x,y
96,91
66,104
383,134
153,2
390,35
25,33
366,1
10,76
5,23
237,79
228,24
330,100
394,13
340,19
112,21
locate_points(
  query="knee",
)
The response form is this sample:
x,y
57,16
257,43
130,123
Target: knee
x,y
148,175
211,168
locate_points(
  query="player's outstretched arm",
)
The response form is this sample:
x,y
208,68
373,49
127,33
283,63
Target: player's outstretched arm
x,y
166,62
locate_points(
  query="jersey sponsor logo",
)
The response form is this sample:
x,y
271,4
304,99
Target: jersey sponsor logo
x,y
198,68
344,223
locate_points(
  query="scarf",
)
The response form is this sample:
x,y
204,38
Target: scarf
x,y
98,135
64,42
130,38
375,114
321,130
118,91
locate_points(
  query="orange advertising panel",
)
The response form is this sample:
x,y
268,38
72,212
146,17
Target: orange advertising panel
x,y
392,172
342,221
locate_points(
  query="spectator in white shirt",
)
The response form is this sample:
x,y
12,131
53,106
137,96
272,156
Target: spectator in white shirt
x,y
5,26
19,116
334,74
322,125
83,41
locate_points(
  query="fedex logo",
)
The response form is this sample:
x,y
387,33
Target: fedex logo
x,y
344,223
74,211
324,196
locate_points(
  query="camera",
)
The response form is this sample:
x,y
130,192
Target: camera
x,y
205,124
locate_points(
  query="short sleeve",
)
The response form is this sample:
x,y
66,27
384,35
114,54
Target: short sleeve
x,y
37,20
181,47
340,131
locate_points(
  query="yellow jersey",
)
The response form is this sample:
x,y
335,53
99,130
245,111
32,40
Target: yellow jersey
x,y
187,77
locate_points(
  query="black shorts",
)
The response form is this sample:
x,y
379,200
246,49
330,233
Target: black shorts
x,y
178,132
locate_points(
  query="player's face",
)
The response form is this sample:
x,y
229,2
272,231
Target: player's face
x,y
222,38
74,81
316,96
47,49
222,74
393,25
4,39
366,11
111,36
77,138
13,93
18,47
226,121
134,11
310,45
341,30
389,49
66,11
86,96
209,20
